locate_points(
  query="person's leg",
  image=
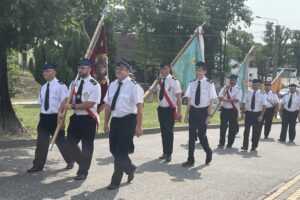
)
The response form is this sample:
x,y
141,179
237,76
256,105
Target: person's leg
x,y
169,127
161,118
233,124
247,130
256,131
224,116
292,126
268,121
192,135
63,148
284,125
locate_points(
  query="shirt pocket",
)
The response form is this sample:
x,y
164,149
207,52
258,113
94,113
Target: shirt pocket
x,y
85,95
54,97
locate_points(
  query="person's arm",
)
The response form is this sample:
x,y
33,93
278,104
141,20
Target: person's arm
x,y
139,120
209,112
188,107
261,116
150,90
178,102
107,114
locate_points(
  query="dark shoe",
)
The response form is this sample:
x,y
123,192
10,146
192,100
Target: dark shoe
x,y
291,141
80,177
266,137
244,148
208,157
220,146
228,146
188,164
131,175
34,169
281,141
70,166
168,158
112,187
253,149
164,156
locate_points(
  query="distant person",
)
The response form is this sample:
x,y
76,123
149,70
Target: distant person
x,y
289,111
253,109
51,96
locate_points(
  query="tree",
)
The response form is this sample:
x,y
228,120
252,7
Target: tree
x,y
22,24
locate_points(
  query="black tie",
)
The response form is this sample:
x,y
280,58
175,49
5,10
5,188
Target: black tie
x,y
46,103
197,96
230,89
113,103
253,101
79,93
290,101
162,90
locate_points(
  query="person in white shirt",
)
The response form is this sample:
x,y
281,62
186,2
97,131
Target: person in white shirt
x,y
169,109
253,107
85,120
200,93
230,97
271,109
51,96
289,111
124,105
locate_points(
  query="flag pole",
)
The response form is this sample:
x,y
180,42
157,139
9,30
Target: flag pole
x,y
87,55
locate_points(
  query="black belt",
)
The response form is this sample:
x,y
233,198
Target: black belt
x,y
126,116
203,108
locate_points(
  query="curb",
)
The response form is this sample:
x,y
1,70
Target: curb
x,y
18,143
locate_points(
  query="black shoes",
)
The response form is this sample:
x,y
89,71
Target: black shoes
x,y
168,158
188,164
80,177
131,175
253,149
69,166
164,156
228,146
208,157
220,146
34,169
244,148
112,187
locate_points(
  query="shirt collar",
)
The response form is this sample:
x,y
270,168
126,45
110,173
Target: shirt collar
x,y
202,79
53,80
169,76
125,80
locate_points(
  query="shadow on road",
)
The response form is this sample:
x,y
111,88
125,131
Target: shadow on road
x,y
176,171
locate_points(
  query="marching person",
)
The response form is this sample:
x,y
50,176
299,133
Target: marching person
x,y
85,120
271,109
253,108
169,109
289,111
124,105
51,96
230,97
200,93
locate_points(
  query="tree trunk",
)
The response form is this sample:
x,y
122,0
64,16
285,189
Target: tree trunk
x,y
9,123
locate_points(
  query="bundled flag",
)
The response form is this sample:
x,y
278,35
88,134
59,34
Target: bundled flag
x,y
276,84
97,53
183,64
243,73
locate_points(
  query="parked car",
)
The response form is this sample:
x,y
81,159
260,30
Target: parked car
x,y
283,92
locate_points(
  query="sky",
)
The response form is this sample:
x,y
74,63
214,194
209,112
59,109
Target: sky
x,y
287,12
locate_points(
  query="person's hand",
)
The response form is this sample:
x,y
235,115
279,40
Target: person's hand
x,y
221,98
106,129
179,117
260,118
68,106
208,120
138,131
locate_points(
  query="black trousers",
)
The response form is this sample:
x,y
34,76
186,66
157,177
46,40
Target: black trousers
x,y
82,128
228,116
120,141
166,121
197,127
267,121
251,119
45,128
288,121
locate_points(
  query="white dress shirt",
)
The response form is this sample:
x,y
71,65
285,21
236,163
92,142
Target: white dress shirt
x,y
91,92
129,96
208,92
235,92
260,101
272,99
172,87
295,102
57,93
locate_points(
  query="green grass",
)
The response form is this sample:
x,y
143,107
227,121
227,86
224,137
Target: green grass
x,y
29,116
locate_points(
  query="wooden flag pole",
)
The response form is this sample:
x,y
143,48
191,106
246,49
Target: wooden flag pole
x,y
87,55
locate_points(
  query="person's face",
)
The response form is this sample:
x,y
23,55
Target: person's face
x,y
83,71
267,88
200,73
49,74
255,86
232,82
292,89
121,72
165,71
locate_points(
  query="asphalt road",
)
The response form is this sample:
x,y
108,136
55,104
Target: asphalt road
x,y
231,175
